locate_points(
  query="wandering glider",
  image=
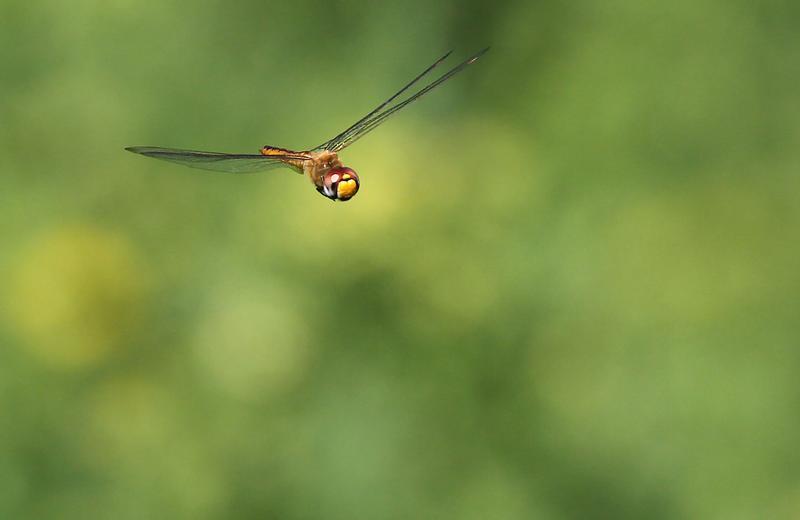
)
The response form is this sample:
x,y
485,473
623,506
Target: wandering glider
x,y
320,164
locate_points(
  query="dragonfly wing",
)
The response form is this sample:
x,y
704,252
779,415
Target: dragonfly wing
x,y
371,121
220,162
379,107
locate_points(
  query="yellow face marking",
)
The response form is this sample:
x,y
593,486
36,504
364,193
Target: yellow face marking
x,y
346,188
346,176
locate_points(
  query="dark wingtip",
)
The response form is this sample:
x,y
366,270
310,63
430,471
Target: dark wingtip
x,y
141,150
446,55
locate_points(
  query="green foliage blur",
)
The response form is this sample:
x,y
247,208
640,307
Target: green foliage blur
x,y
568,288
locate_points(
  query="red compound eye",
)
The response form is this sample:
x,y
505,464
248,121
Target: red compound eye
x,y
340,183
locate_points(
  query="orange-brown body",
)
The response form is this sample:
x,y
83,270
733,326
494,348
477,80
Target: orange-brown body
x,y
315,167
323,169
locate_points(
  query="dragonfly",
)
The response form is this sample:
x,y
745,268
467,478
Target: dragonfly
x,y
321,164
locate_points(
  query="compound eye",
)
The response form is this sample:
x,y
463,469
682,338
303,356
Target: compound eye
x,y
343,183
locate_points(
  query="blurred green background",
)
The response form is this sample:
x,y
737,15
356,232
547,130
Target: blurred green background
x,y
568,287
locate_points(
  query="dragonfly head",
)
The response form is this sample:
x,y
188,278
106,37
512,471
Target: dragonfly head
x,y
340,183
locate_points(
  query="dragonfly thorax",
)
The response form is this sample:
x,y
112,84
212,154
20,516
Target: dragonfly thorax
x,y
331,178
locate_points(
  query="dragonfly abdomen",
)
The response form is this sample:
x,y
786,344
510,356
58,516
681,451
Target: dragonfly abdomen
x,y
295,162
274,150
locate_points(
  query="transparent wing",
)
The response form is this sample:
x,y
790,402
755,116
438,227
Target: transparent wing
x,y
379,107
219,162
371,121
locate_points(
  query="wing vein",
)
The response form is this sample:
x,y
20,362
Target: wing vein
x,y
376,117
221,162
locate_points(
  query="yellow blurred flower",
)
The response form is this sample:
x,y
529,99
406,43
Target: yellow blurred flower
x,y
76,295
